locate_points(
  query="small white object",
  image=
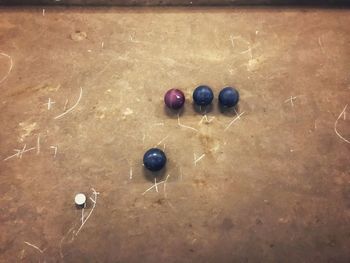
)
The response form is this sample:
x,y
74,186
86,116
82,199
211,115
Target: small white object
x,y
80,199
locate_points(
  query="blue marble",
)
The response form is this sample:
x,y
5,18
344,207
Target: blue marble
x,y
228,97
203,95
154,159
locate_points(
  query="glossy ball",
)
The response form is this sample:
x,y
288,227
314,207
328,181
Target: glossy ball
x,y
154,159
228,97
203,95
174,99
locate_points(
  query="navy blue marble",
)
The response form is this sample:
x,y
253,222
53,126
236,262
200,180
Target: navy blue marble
x,y
154,159
203,95
228,97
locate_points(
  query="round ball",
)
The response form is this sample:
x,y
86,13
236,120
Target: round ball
x,y
154,159
228,97
203,95
174,99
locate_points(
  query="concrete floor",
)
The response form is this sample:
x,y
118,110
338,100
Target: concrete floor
x,y
272,187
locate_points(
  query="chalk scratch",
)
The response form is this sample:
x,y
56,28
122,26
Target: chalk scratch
x,y
162,140
164,185
196,160
235,119
19,153
184,126
336,123
34,246
10,68
155,185
63,238
232,42
320,43
207,120
291,100
70,109
55,150
65,105
130,173
94,201
49,103
38,144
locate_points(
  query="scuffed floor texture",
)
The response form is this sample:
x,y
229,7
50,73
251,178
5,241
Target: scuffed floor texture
x,y
274,186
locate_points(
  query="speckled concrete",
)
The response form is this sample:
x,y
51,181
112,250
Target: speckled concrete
x,y
272,187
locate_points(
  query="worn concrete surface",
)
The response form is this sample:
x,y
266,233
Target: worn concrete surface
x,y
273,187
176,2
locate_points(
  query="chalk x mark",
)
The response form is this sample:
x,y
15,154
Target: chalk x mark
x,y
155,185
291,100
19,153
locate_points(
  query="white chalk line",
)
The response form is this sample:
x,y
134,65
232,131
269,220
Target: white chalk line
x,y
196,160
235,119
34,246
38,144
291,99
130,173
94,201
248,50
19,153
61,242
82,215
65,105
232,42
205,117
320,44
55,150
49,103
153,186
10,68
162,140
336,123
70,109
164,186
11,156
22,151
184,126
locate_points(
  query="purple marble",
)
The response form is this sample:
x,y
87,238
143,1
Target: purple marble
x,y
174,99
